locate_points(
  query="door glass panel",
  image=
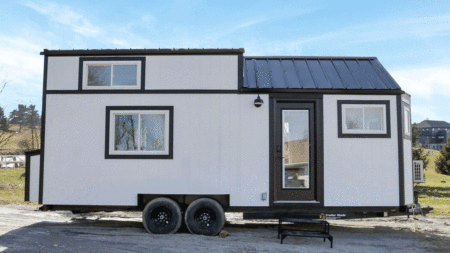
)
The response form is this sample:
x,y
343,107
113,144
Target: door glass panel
x,y
296,149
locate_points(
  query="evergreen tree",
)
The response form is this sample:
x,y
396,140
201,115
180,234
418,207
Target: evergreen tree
x,y
32,120
443,161
4,124
19,116
419,153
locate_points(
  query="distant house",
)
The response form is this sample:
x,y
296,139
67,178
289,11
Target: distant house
x,y
435,131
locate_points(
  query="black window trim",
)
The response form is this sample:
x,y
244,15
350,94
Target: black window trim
x,y
364,102
138,108
118,59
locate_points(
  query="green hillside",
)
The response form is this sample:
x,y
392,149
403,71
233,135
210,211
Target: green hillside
x,y
435,191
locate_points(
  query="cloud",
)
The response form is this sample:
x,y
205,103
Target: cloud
x,y
65,15
424,81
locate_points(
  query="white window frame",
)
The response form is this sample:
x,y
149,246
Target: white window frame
x,y
86,65
407,121
112,129
363,131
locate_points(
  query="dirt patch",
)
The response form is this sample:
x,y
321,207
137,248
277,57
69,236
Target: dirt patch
x,y
8,186
24,228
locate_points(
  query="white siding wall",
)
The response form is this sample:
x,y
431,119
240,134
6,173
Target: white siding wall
x,y
212,72
408,171
62,73
197,72
220,147
359,172
407,162
34,177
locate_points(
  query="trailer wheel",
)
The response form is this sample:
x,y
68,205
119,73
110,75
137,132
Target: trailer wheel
x,y
162,216
205,216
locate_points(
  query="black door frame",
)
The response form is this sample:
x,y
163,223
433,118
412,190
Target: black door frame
x,y
317,100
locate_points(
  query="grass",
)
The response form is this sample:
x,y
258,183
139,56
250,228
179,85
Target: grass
x,y
12,186
433,192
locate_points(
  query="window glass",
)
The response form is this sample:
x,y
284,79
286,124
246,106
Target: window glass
x,y
354,118
296,149
99,75
125,75
125,134
152,132
119,74
406,122
373,118
358,117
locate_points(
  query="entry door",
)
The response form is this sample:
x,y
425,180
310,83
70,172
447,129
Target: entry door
x,y
295,169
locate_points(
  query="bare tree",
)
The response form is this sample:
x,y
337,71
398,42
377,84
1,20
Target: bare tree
x,y
5,133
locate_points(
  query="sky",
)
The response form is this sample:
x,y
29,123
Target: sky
x,y
410,38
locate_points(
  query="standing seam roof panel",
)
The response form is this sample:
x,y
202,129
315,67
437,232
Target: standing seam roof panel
x,y
345,75
290,74
250,74
304,74
263,75
372,75
331,74
358,74
383,73
277,76
319,77
316,73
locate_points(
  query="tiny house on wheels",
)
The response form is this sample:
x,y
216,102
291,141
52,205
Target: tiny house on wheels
x,y
187,134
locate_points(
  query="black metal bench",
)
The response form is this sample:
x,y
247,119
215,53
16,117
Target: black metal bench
x,y
324,231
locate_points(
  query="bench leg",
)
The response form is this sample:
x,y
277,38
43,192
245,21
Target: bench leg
x,y
282,237
331,240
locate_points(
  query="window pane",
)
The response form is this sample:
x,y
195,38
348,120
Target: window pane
x,y
125,135
125,75
296,148
406,121
354,118
373,118
99,76
152,132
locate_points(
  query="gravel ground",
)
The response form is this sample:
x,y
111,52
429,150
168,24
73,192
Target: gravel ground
x,y
24,229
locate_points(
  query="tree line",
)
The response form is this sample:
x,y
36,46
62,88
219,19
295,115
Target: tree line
x,y
24,117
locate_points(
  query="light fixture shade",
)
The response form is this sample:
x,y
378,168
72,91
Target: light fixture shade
x,y
258,102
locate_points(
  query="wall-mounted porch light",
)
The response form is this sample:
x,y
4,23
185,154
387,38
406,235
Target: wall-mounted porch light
x,y
258,102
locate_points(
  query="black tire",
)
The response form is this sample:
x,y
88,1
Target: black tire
x,y
162,216
205,216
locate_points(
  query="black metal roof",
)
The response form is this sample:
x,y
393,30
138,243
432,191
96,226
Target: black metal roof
x,y
433,124
174,51
364,73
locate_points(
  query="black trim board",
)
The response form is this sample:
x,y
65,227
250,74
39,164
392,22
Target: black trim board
x,y
27,178
115,91
325,91
364,102
44,104
240,72
131,108
83,59
401,172
160,51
